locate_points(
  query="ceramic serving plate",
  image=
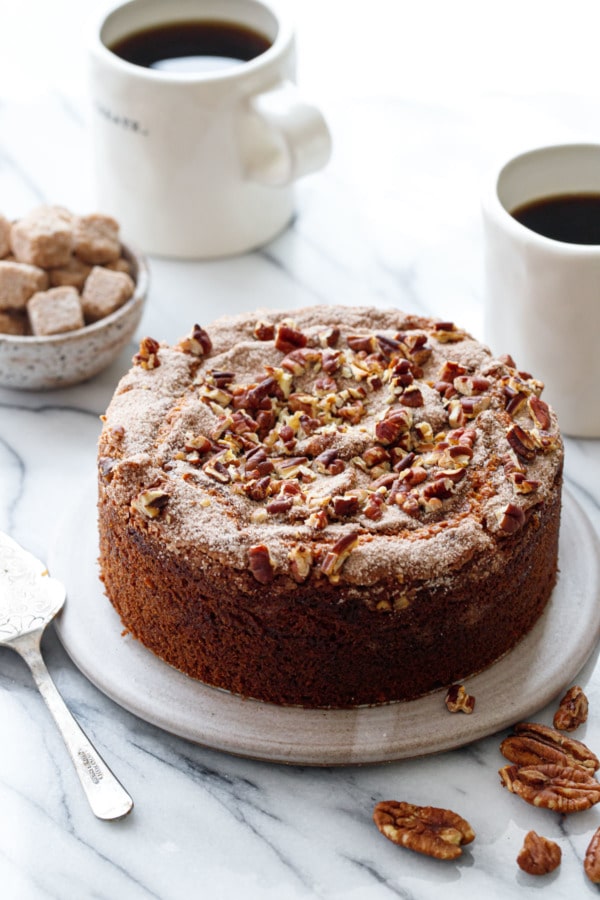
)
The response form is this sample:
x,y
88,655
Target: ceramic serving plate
x,y
535,672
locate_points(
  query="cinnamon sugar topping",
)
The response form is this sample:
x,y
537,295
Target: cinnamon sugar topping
x,y
339,431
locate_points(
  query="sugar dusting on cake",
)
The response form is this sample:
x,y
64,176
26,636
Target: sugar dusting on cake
x,y
300,429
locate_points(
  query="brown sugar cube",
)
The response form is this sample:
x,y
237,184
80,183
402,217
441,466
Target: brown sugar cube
x,y
120,265
55,311
96,239
14,323
4,237
44,237
74,273
18,281
104,292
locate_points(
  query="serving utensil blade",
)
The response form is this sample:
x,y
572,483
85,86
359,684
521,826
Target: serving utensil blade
x,y
29,600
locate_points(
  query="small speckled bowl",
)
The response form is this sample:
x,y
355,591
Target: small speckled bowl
x,y
60,360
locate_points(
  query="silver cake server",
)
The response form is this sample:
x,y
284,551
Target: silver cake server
x,y
29,600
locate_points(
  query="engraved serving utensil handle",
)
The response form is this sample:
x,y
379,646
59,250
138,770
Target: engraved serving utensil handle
x,y
106,795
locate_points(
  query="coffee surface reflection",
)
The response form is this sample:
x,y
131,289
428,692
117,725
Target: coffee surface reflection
x,y
571,218
191,46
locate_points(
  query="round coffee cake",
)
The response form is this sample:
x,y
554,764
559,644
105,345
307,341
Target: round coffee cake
x,y
330,507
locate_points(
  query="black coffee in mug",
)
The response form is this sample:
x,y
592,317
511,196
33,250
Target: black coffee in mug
x,y
570,218
192,46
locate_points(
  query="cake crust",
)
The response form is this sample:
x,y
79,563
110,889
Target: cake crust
x,y
330,507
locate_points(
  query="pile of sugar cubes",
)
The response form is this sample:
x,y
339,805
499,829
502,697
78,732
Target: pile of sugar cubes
x,y
60,271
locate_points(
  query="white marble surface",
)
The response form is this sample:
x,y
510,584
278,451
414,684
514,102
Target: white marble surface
x,y
421,99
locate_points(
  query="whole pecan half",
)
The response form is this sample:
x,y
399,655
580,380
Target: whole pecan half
x,y
572,711
533,743
591,862
563,789
427,829
538,855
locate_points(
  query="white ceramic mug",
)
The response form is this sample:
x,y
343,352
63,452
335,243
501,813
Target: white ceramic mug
x,y
199,165
542,302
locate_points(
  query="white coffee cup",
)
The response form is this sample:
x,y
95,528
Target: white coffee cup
x,y
542,296
201,164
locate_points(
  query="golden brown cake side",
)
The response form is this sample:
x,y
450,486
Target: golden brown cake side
x,y
389,525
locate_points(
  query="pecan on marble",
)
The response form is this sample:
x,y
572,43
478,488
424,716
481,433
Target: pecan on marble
x,y
538,855
435,832
533,743
562,789
591,862
572,710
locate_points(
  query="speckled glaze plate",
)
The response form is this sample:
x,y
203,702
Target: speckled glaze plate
x,y
518,685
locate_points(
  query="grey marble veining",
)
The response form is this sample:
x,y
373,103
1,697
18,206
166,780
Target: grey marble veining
x,y
394,221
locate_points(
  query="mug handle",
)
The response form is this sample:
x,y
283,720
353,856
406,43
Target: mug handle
x,y
283,137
